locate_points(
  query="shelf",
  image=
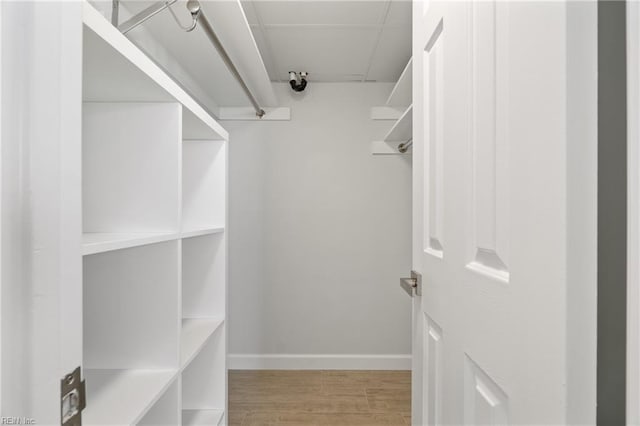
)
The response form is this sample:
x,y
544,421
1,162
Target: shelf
x,y
193,51
99,242
401,94
386,148
403,128
116,70
203,231
202,417
123,397
195,334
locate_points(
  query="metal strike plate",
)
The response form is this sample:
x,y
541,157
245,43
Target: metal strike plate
x,y
412,285
72,399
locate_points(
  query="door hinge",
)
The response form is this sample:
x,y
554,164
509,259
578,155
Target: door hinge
x,y
72,398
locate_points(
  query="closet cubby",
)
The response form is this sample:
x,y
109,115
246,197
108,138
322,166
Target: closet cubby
x,y
203,329
130,177
203,186
203,387
166,411
130,308
154,187
123,397
203,276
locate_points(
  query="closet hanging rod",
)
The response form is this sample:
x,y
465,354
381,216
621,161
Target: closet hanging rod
x,y
198,16
140,17
197,13
404,146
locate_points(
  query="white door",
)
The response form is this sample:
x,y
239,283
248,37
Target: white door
x,y
504,212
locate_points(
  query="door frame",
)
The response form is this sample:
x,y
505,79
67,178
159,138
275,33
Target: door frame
x,y
40,201
633,216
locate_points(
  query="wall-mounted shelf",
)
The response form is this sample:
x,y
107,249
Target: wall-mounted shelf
x,y
194,52
385,148
402,129
401,94
117,70
398,108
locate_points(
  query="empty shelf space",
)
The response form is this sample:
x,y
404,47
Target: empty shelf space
x,y
202,417
195,333
98,242
200,232
204,182
402,92
123,397
402,129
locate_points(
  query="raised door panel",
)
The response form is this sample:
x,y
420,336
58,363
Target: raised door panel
x,y
433,104
485,403
489,245
432,364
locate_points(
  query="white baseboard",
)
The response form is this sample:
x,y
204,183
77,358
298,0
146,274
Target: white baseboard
x,y
318,362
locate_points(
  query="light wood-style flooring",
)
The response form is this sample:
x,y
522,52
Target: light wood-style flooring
x,y
319,398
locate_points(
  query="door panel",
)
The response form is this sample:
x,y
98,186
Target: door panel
x,y
489,139
492,188
433,372
433,94
484,402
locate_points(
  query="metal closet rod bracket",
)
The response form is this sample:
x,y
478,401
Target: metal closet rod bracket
x,y
198,16
404,147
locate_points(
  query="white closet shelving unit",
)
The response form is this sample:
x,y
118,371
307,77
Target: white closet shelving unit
x,y
399,102
154,243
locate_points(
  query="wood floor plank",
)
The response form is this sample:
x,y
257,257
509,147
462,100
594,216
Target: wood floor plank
x,y
319,398
385,400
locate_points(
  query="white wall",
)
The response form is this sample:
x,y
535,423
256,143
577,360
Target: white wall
x,y
320,232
